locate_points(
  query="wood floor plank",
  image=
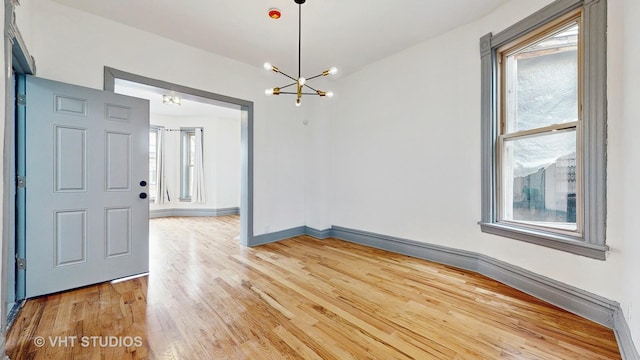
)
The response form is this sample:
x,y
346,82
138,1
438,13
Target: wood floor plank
x,y
207,297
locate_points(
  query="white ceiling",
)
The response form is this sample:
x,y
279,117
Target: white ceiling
x,y
348,34
191,106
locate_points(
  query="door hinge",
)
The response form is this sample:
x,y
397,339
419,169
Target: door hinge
x,y
21,99
21,181
21,263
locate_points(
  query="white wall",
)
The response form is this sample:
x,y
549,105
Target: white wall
x,y
404,154
221,155
318,170
73,47
628,159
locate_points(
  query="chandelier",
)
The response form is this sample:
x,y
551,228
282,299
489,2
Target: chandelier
x,y
300,82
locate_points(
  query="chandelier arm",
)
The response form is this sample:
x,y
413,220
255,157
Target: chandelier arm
x,y
313,77
286,86
305,85
286,75
295,93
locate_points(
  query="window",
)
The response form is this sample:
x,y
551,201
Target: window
x,y
188,154
544,128
153,163
537,141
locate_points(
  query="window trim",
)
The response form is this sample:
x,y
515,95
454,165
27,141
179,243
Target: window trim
x,y
593,133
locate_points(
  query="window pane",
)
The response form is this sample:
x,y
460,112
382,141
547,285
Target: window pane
x,y
539,180
152,157
542,82
188,158
192,149
192,157
153,165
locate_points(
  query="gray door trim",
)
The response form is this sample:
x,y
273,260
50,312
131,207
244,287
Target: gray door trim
x,y
16,54
246,108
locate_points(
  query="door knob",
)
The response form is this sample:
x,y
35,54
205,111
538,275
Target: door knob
x,y
143,183
143,195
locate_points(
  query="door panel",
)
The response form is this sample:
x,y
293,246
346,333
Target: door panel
x,y
118,162
86,154
70,153
118,234
70,237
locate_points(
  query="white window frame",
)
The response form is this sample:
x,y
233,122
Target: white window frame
x,y
591,148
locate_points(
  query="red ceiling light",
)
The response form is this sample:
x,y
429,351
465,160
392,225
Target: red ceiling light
x,y
274,13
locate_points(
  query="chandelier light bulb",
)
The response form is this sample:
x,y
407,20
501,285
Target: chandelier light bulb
x,y
302,80
268,92
298,102
333,70
329,94
268,66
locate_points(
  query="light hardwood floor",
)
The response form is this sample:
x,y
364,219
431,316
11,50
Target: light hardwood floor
x,y
208,298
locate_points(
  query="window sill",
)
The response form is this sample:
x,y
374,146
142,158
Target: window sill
x,y
561,242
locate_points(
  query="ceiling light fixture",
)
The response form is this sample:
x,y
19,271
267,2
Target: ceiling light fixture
x,y
300,82
170,100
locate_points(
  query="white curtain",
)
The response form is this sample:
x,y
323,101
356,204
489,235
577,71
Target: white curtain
x,y
197,180
162,191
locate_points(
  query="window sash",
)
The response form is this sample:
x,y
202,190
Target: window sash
x,y
522,42
542,130
503,188
515,46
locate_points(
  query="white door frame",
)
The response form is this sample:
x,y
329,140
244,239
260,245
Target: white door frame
x,y
246,137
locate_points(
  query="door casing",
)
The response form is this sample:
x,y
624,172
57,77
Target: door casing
x,y
16,54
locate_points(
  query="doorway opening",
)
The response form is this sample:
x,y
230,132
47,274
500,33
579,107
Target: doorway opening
x,y
179,199
194,154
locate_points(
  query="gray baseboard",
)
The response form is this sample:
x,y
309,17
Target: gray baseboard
x,y
628,349
277,236
580,302
193,212
318,234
